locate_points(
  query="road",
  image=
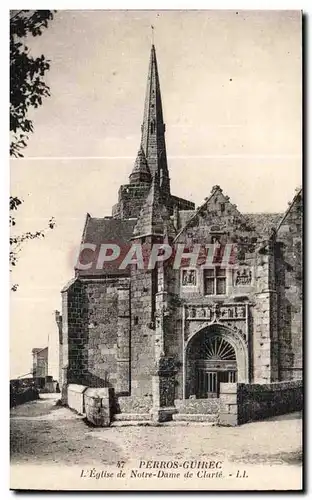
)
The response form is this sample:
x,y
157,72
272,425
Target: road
x,y
43,433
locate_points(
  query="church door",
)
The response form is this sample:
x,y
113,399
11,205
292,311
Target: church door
x,y
215,363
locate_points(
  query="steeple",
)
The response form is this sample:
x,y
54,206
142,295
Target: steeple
x,y
140,172
153,128
151,160
154,219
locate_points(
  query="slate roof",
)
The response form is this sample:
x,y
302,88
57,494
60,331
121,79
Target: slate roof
x,y
107,230
263,222
98,231
296,198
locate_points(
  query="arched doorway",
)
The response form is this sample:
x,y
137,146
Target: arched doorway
x,y
213,355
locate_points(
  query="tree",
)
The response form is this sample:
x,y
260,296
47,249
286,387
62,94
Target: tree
x,y
27,90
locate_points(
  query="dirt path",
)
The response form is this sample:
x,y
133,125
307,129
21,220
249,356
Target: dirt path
x,y
44,433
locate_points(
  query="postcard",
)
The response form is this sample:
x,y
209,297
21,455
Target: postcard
x,y
156,214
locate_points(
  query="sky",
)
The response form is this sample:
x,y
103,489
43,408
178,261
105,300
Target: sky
x,y
231,91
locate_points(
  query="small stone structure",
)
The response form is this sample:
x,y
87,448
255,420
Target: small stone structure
x,y
75,397
98,406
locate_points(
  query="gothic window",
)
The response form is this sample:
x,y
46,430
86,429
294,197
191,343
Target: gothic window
x,y
222,207
215,281
152,126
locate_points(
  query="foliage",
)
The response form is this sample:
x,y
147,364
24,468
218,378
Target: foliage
x,y
27,90
27,86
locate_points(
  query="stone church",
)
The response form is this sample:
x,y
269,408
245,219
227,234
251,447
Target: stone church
x,y
165,335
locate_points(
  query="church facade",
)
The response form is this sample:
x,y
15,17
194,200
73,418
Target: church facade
x,y
176,330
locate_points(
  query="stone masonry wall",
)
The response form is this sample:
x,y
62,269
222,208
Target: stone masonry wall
x,y
197,406
290,233
242,403
58,319
265,331
133,404
73,326
132,196
90,329
100,369
123,380
130,200
286,356
142,330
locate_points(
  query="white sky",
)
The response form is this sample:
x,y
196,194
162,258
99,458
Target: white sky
x,y
231,89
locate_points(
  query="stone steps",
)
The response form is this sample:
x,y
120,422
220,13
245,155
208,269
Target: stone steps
x,y
196,417
125,417
189,423
150,423
131,423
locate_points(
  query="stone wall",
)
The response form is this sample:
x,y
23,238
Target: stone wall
x,y
23,395
90,329
143,293
197,406
73,328
133,404
130,200
290,233
265,329
102,332
132,196
58,320
242,403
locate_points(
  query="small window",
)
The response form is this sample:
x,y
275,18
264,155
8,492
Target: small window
x,y
210,286
215,281
222,207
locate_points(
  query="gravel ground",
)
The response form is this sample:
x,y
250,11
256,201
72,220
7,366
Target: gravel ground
x,y
44,433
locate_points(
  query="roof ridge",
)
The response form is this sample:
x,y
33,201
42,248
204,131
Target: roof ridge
x,y
197,211
289,208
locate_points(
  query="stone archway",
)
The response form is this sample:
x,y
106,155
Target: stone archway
x,y
213,354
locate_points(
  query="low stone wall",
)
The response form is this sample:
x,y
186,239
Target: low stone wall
x,y
98,406
23,396
133,404
75,397
197,406
242,403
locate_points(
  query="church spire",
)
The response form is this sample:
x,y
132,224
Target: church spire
x,y
153,128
